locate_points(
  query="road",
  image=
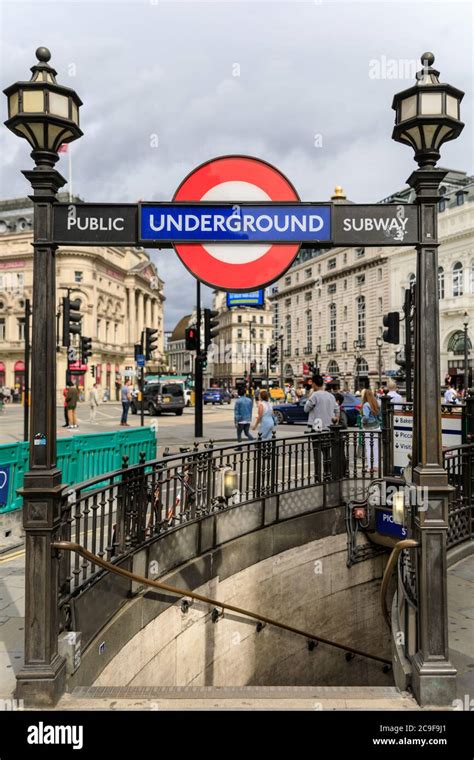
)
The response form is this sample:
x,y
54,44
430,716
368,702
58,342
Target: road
x,y
172,430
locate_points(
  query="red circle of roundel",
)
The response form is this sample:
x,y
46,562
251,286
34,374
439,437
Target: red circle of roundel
x,y
236,266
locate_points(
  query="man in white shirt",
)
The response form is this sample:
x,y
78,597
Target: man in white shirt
x,y
450,395
321,407
94,402
393,393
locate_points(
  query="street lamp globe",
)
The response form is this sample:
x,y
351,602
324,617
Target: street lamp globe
x,y
43,112
427,114
466,320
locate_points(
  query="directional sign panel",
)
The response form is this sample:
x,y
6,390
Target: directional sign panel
x,y
95,224
380,224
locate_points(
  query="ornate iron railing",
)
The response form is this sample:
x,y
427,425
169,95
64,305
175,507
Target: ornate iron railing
x,y
459,464
115,514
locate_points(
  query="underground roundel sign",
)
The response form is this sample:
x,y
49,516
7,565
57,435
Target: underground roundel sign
x,y
236,266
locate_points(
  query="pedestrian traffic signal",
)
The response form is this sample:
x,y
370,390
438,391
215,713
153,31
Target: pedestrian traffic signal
x,y
202,357
93,370
392,322
273,355
138,351
191,338
86,349
71,319
211,326
150,342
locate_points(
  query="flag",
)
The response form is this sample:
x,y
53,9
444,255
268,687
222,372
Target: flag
x,y
63,148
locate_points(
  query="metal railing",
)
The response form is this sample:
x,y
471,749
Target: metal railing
x,y
115,514
459,464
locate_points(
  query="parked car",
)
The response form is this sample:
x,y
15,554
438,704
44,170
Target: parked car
x,y
160,397
294,412
216,396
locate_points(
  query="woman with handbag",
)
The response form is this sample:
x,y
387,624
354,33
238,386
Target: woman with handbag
x,y
371,423
265,417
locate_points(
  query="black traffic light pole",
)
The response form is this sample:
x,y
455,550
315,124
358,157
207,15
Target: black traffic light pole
x,y
198,385
140,387
26,398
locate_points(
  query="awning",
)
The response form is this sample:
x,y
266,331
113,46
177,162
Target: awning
x,y
19,366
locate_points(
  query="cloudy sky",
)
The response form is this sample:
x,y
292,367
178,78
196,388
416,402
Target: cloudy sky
x,y
166,85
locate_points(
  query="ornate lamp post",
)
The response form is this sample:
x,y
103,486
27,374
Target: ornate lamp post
x,y
466,354
47,115
427,115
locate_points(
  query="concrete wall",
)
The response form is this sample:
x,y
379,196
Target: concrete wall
x,y
308,586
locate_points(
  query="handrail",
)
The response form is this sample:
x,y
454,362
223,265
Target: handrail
x,y
73,547
406,543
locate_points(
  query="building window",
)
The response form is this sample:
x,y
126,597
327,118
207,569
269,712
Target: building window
x,y
360,279
261,320
441,204
261,334
332,264
239,319
332,288
440,282
21,329
319,268
457,279
107,326
78,276
308,273
2,329
460,198
380,303
360,304
287,280
239,333
471,277
115,333
379,274
345,312
288,334
345,284
297,276
309,330
360,252
297,299
308,296
344,260
288,302
332,325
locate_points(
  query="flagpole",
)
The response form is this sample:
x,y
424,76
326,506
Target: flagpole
x,y
70,173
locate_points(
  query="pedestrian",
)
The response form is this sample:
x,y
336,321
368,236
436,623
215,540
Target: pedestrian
x,y
450,395
125,397
371,422
2,402
94,402
321,407
243,414
7,395
264,417
393,393
72,397
66,419
342,414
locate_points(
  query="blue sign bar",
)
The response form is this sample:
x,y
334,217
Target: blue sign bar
x,y
384,524
235,223
257,298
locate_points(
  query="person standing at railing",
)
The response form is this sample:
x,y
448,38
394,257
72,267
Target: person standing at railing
x,y
393,393
243,414
125,397
371,423
265,418
450,395
72,397
321,407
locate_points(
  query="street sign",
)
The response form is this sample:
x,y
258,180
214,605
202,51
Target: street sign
x,y
451,435
384,524
256,299
242,266
380,224
4,484
95,224
140,360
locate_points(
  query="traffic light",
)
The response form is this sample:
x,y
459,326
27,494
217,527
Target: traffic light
x,y
273,355
191,338
86,349
253,366
400,358
71,319
211,326
138,351
311,368
150,342
392,322
93,370
202,357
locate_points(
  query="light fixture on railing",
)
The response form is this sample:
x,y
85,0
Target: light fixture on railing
x,y
229,482
398,507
